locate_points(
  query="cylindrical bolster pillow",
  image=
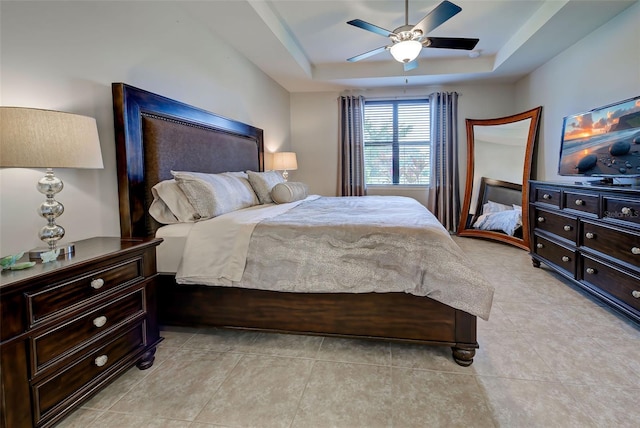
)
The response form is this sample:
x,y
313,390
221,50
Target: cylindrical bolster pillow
x,y
289,192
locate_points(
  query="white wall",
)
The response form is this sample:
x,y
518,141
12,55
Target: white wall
x,y
65,55
600,69
314,130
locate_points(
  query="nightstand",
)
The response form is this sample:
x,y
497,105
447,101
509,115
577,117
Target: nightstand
x,y
71,326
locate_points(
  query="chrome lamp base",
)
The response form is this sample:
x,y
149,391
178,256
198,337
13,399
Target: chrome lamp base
x,y
66,251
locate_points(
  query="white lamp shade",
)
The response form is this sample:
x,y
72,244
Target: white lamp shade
x,y
34,138
285,161
406,51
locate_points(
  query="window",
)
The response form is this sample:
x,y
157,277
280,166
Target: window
x,y
397,142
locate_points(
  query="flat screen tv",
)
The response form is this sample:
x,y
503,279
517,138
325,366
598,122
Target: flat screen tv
x,y
603,142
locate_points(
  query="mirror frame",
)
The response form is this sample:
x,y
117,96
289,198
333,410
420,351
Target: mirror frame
x,y
534,115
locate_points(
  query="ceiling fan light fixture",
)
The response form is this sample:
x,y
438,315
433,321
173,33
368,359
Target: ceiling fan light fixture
x,y
406,51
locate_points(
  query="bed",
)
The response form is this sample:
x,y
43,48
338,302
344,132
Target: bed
x,y
499,207
155,135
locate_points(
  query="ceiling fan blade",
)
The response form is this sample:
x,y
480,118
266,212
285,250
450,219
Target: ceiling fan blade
x,y
370,27
411,65
450,43
437,16
368,54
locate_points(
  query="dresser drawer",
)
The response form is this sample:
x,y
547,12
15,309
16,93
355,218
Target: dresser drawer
x,y
70,382
64,296
620,209
619,244
52,344
547,195
623,286
562,257
583,202
561,225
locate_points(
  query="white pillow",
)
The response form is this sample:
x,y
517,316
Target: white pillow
x,y
215,194
263,182
170,204
289,192
495,207
506,221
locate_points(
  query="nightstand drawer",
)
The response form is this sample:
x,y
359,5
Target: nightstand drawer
x,y
52,344
70,383
623,287
583,202
619,244
564,258
64,296
560,225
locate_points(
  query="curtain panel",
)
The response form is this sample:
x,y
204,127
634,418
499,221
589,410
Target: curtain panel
x,y
351,180
444,195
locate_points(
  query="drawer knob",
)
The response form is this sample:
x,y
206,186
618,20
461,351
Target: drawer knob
x,y
100,321
636,294
540,219
97,283
101,360
626,210
579,202
565,258
635,250
567,228
546,196
591,271
590,235
539,245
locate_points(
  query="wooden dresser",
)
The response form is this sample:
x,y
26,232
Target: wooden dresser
x,y
591,235
70,326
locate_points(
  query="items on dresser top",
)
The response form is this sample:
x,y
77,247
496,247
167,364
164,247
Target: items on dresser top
x,y
591,235
72,325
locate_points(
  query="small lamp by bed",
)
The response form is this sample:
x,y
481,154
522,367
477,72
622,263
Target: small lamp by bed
x,y
35,138
285,161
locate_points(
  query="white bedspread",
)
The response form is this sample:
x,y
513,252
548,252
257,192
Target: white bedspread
x,y
336,244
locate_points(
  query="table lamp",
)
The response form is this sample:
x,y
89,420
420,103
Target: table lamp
x,y
284,161
35,138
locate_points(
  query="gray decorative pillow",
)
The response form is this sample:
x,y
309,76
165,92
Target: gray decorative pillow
x,y
263,182
289,191
215,194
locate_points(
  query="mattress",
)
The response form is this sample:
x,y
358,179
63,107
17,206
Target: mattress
x,y
169,252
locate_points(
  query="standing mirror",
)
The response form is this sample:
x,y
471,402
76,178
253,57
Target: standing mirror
x,y
499,156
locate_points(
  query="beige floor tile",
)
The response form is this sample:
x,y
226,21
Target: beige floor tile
x,y
609,406
539,318
221,340
286,345
346,395
424,398
182,388
424,357
532,404
81,418
176,336
261,391
118,420
355,351
498,321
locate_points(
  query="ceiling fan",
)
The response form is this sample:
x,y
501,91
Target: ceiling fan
x,y
408,40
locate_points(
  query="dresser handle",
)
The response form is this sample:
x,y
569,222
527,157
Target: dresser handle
x,y
636,294
100,321
97,283
539,245
567,228
626,210
579,202
635,250
590,235
540,219
101,360
591,271
565,258
546,196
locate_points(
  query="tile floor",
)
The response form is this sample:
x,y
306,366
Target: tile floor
x,y
550,356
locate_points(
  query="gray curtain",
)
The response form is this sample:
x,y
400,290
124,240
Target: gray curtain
x,y
351,171
444,195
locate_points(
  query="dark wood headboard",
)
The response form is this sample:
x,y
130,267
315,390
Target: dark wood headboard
x,y
155,135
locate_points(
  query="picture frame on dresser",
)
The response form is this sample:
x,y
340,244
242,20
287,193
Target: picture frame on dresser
x,y
590,234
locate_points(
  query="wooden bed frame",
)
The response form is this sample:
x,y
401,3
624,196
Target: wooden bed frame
x,y
154,135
